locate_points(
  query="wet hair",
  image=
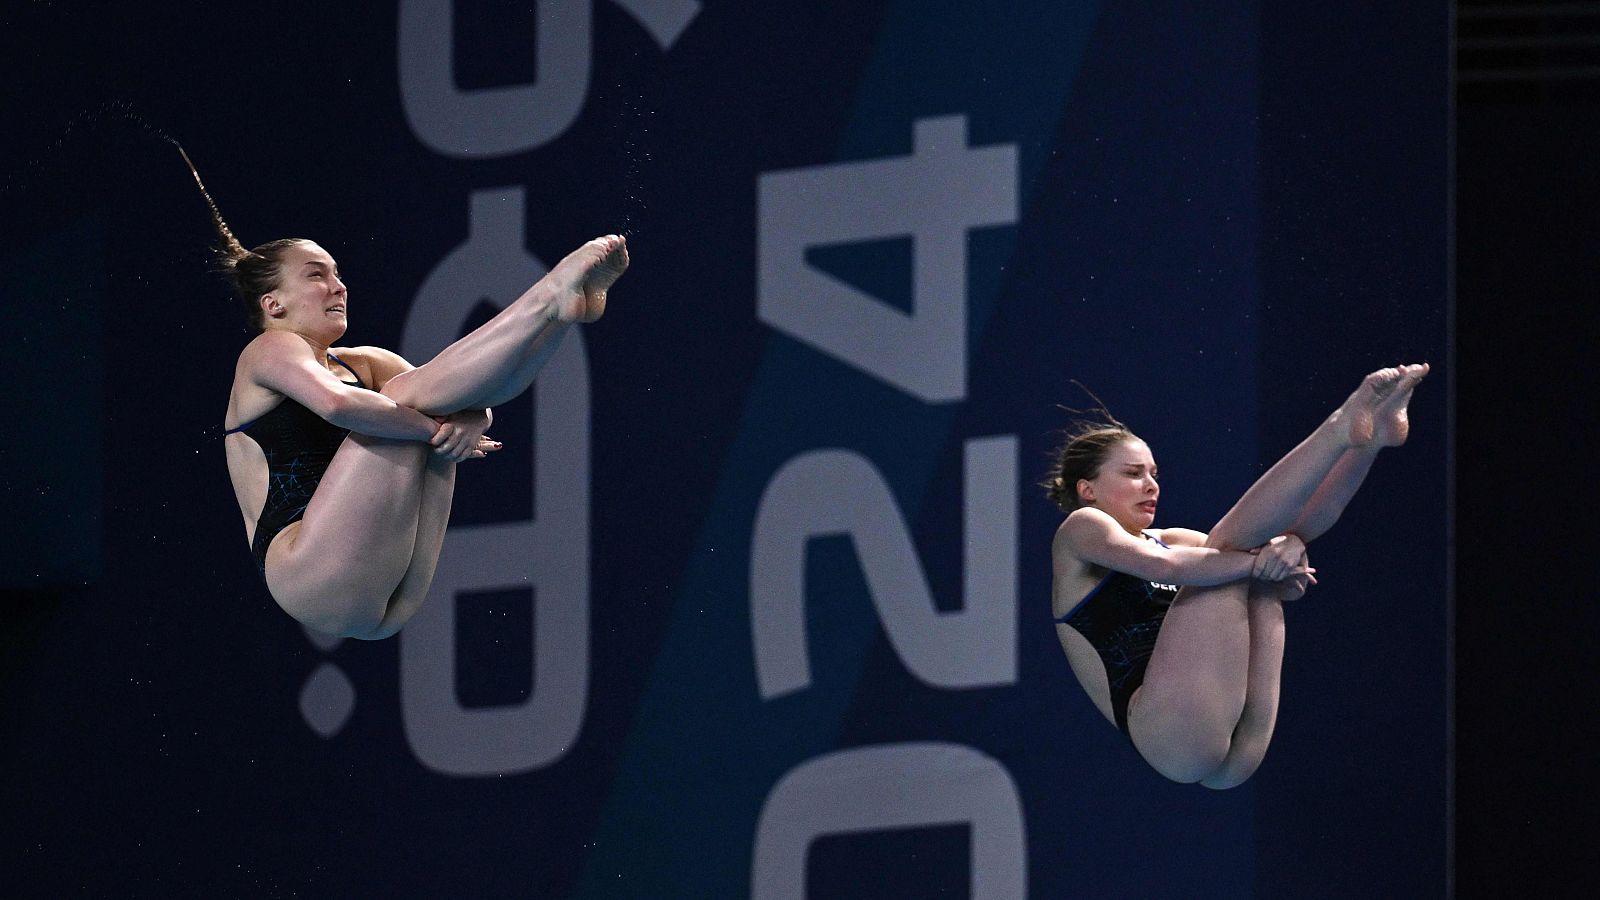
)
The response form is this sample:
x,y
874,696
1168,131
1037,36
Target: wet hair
x,y
251,272
1089,440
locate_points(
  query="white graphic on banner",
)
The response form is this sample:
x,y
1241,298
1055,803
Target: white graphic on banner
x,y
501,121
936,195
548,555
327,698
665,20
893,786
828,492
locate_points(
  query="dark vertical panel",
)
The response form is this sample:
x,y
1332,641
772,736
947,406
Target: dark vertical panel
x,y
1527,265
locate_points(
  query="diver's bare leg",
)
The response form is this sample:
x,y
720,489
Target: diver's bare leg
x,y
1330,498
1374,416
438,490
1260,715
336,569
499,359
1183,717
1209,701
1212,680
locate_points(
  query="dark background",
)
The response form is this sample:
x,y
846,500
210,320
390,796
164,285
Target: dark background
x,y
149,748
1527,136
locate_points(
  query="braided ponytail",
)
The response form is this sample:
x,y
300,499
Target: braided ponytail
x,y
251,272
230,244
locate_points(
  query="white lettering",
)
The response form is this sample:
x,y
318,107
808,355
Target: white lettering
x,y
892,786
826,492
493,121
548,554
935,195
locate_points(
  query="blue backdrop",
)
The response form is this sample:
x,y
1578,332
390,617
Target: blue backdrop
x,y
756,602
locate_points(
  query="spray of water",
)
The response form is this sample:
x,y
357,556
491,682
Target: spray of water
x,y
87,123
631,134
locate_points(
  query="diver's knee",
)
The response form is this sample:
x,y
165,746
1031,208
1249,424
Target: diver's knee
x,y
405,389
396,388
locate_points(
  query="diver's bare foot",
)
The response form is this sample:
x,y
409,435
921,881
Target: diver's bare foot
x,y
1391,425
579,282
1376,411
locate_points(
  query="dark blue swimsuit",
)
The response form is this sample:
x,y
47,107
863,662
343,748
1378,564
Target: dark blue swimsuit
x,y
299,445
1121,618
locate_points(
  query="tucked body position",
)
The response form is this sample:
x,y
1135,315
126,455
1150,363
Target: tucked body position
x,y
1177,635
343,458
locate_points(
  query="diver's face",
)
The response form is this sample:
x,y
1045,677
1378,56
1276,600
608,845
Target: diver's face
x,y
310,299
1125,487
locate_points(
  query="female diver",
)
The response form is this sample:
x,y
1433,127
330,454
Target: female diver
x,y
1177,635
343,458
